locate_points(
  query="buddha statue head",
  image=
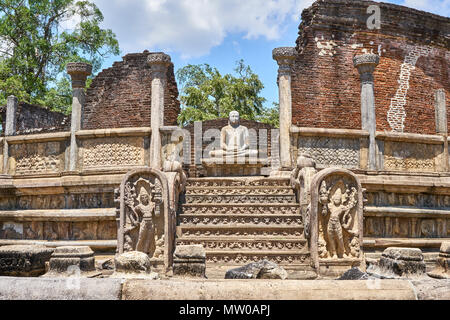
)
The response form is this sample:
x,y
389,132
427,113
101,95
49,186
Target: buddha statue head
x,y
234,119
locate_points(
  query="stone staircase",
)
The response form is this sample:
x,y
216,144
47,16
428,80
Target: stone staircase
x,y
243,219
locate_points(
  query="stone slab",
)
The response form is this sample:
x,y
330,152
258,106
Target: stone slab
x,y
190,252
59,289
267,290
407,254
432,289
24,260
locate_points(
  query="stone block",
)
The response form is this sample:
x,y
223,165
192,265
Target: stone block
x,y
72,261
60,289
354,274
189,261
400,263
257,270
133,264
24,260
443,261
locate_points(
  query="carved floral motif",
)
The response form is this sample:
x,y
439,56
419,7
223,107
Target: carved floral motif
x,y
103,153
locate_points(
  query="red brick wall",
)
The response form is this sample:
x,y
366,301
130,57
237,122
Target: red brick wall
x,y
120,96
326,86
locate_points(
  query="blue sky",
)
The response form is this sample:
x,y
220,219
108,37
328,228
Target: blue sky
x,y
218,32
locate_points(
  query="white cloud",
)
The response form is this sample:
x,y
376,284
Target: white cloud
x,y
440,7
193,27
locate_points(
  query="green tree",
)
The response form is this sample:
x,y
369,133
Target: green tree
x,y
37,40
206,94
270,116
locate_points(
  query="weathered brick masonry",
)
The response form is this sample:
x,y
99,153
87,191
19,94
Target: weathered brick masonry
x,y
120,96
35,119
326,86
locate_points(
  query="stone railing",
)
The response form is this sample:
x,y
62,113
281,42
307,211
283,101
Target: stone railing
x,y
394,152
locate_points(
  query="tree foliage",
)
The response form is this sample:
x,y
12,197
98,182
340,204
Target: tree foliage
x,y
37,40
206,94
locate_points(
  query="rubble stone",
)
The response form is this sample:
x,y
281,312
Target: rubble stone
x,y
24,260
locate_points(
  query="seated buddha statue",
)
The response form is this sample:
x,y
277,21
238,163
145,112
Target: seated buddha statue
x,y
234,140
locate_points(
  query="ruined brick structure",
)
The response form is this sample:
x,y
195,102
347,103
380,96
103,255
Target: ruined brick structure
x,y
35,119
361,164
120,97
325,83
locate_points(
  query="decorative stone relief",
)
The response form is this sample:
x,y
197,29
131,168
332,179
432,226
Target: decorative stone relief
x,y
327,152
107,152
240,258
39,158
397,114
336,218
145,220
239,199
411,156
243,209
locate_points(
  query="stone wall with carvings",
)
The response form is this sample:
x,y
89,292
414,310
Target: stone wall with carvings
x,y
37,158
413,157
414,62
329,151
117,152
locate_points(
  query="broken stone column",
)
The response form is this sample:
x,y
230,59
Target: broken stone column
x,y
159,62
366,64
443,270
400,263
24,260
285,57
72,261
189,261
79,72
440,111
10,127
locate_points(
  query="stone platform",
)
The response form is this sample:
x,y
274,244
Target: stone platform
x,y
234,167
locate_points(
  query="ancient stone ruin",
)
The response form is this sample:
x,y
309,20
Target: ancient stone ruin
x,y
360,162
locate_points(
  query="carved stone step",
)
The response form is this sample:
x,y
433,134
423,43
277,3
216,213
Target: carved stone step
x,y
252,245
241,208
238,220
240,199
236,257
238,181
239,190
247,231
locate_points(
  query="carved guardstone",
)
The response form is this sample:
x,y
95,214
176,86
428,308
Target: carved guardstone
x,y
336,222
145,223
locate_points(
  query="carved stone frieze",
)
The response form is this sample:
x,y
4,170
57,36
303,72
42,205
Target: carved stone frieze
x,y
240,199
38,158
204,183
413,157
227,220
266,232
243,209
118,152
329,152
249,245
241,258
239,191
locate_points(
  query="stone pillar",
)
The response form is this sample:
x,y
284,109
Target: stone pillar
x,y
79,72
10,127
440,111
11,116
366,64
285,57
159,62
